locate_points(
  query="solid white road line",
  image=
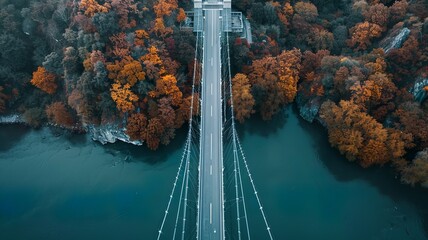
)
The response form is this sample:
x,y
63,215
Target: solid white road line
x,y
211,213
212,30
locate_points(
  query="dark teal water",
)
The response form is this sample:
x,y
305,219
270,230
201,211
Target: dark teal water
x,y
56,186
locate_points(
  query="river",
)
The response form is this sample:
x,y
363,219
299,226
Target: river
x,y
61,186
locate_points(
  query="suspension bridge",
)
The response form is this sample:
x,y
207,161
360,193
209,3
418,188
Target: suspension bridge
x,y
213,155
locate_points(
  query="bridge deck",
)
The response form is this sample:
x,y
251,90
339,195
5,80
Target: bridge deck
x,y
211,202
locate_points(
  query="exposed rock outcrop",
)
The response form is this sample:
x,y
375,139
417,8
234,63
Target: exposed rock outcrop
x,y
395,38
110,133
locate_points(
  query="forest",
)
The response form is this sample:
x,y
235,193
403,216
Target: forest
x,y
359,68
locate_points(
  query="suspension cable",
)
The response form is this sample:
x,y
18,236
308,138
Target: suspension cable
x,y
173,190
186,192
179,202
235,152
186,152
190,133
200,110
254,188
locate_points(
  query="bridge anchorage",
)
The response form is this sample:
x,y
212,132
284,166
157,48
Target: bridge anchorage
x,y
211,203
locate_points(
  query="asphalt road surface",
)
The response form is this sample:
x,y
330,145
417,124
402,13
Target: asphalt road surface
x,y
210,212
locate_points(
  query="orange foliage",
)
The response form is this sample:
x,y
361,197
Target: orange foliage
x,y
164,7
159,28
243,100
376,90
58,113
285,14
181,16
274,80
126,71
140,36
288,73
167,85
362,34
44,80
123,97
90,7
360,137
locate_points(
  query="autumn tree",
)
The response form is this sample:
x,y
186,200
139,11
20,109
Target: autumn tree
x,y
366,94
160,29
263,77
378,14
243,100
413,120
123,8
123,97
288,74
362,34
339,80
164,7
119,47
167,85
167,116
58,113
153,133
44,80
140,37
136,126
126,71
91,7
274,81
417,171
360,137
307,10
398,10
320,39
404,59
285,15
181,16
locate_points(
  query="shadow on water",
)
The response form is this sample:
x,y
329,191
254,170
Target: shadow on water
x,y
384,178
11,134
257,126
143,153
75,139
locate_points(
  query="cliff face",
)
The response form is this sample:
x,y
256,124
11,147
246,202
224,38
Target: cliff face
x,y
110,133
395,39
10,119
309,110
